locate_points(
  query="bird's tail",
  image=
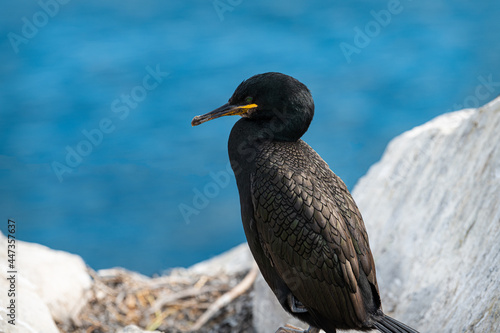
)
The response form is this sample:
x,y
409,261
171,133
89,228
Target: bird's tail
x,y
390,325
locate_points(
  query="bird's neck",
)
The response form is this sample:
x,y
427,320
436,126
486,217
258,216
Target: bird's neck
x,y
248,135
246,140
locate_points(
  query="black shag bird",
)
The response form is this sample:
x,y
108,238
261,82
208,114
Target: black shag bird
x,y
302,224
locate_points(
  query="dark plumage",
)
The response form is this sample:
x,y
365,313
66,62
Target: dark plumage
x,y
302,224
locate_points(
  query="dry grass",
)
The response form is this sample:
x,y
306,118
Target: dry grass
x,y
172,303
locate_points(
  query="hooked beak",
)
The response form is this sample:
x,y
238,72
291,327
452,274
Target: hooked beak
x,y
225,110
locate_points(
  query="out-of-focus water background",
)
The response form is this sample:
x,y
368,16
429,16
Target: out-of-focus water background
x,y
97,154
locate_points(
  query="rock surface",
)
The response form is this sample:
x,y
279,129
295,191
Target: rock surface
x,y
60,278
432,210
50,286
31,314
238,260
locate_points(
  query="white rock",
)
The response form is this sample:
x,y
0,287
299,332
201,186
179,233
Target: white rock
x,y
60,279
432,210
238,260
31,312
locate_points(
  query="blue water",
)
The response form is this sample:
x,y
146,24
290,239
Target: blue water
x,y
120,204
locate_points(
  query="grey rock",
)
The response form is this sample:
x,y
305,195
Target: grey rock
x,y
238,260
432,210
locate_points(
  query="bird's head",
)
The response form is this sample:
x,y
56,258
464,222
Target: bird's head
x,y
277,101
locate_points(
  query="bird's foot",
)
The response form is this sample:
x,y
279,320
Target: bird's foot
x,y
295,305
292,329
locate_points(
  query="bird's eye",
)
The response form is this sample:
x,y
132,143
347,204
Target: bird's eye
x,y
249,99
